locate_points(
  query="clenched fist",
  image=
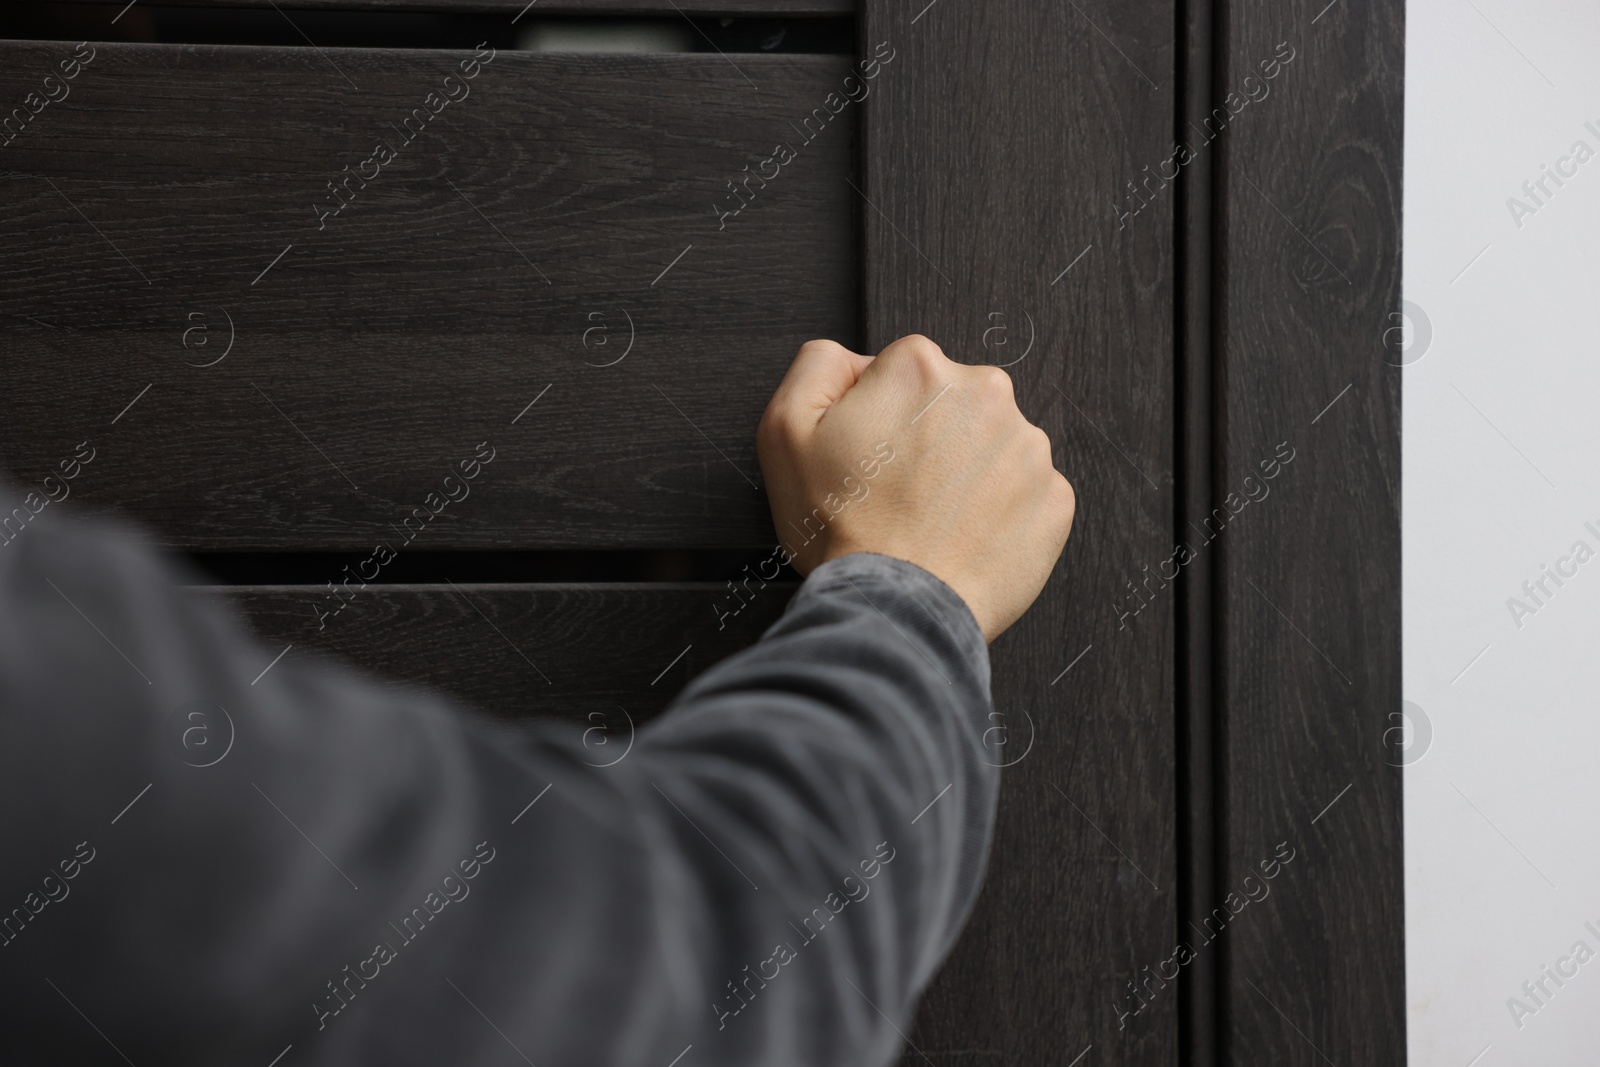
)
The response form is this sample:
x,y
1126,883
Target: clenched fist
x,y
908,454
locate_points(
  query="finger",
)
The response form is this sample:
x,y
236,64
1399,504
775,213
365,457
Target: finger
x,y
913,371
821,374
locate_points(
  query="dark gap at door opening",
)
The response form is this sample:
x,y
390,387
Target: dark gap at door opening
x,y
1198,27
1215,467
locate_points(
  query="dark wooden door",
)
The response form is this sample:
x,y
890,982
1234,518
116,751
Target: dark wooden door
x,y
1190,212
293,295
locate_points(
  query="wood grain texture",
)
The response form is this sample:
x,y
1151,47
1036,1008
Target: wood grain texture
x,y
1024,121
174,193
1309,243
757,8
520,651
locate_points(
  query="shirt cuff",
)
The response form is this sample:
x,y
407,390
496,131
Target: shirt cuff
x,y
909,596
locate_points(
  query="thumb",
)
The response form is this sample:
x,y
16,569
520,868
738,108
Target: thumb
x,y
821,374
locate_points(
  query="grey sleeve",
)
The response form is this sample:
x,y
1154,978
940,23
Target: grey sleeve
x,y
365,875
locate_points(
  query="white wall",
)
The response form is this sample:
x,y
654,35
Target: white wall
x,y
1501,472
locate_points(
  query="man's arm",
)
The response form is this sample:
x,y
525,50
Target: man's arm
x,y
772,875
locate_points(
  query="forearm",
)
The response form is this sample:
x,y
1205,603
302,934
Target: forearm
x,y
313,887
853,731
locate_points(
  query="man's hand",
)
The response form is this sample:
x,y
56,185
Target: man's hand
x,y
910,455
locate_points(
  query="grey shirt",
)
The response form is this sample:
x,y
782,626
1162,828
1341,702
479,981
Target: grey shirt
x,y
771,875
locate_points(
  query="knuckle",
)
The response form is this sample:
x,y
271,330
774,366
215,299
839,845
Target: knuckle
x,y
766,432
994,382
918,349
778,427
1066,498
820,345
1039,441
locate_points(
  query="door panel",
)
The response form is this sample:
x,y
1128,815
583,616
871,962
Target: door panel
x,y
321,349
1309,591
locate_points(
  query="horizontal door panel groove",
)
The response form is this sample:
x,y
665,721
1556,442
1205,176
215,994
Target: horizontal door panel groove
x,y
517,651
